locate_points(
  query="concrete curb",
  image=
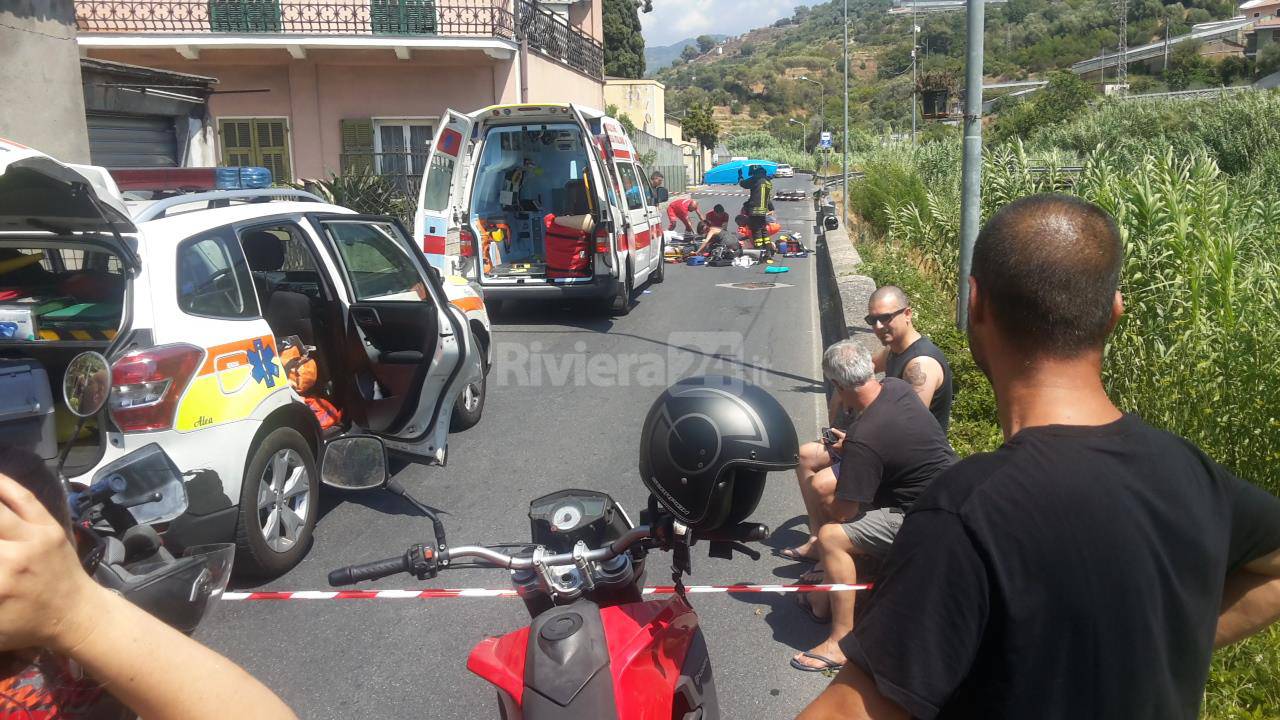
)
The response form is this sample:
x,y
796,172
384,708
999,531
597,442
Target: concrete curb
x,y
842,292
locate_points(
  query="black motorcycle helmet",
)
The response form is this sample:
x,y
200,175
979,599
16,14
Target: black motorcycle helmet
x,y
707,445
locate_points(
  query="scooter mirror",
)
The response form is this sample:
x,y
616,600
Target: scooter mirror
x,y
358,462
86,384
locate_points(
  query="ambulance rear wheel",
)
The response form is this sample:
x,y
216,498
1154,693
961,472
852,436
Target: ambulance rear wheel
x,y
278,504
659,272
621,302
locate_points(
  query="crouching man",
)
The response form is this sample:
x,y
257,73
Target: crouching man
x,y
888,457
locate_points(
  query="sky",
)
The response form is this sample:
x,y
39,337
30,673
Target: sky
x,y
674,20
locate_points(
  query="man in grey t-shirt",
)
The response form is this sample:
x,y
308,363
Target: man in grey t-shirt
x,y
889,456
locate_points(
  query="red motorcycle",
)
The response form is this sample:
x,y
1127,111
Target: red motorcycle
x,y
595,648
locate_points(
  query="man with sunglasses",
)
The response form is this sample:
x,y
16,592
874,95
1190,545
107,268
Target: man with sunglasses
x,y
1090,565
907,354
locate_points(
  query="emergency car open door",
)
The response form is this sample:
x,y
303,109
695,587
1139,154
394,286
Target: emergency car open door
x,y
405,354
439,194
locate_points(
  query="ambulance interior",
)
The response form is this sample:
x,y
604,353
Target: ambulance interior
x,y
55,302
524,173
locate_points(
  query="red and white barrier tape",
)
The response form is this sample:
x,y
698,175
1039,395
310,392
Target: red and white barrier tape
x,y
433,593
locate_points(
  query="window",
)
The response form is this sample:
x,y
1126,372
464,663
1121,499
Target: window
x,y
377,262
630,186
213,278
257,142
401,146
648,190
297,270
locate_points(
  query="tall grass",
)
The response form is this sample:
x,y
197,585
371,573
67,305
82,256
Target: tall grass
x,y
1198,350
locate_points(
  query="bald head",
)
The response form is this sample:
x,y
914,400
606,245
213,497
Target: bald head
x,y
889,295
1048,267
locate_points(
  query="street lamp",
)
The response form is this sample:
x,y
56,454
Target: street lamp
x,y
797,122
822,102
822,107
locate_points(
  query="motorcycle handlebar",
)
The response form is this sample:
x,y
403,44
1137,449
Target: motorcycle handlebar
x,y
353,574
743,532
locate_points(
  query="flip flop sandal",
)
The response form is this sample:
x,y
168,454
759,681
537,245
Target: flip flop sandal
x,y
806,607
828,663
813,577
791,554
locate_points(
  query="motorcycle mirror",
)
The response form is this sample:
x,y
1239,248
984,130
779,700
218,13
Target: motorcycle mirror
x,y
357,462
86,384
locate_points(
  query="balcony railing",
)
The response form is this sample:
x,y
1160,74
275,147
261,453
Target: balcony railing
x,y
547,33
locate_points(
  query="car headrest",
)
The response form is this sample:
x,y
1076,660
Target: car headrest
x,y
263,250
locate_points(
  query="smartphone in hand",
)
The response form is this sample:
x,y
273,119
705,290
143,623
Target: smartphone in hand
x,y
829,437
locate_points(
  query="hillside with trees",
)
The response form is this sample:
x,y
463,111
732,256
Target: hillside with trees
x,y
758,80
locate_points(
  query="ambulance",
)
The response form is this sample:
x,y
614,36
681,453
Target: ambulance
x,y
543,201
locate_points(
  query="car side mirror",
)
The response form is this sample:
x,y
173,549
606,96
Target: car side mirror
x,y
830,222
86,384
358,462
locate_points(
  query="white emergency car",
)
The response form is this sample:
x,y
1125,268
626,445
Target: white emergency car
x,y
544,201
189,297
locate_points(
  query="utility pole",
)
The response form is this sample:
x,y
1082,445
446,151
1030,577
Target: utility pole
x,y
1166,42
971,181
844,143
1122,66
915,81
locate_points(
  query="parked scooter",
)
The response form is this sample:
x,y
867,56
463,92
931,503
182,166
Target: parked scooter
x,y
114,518
595,648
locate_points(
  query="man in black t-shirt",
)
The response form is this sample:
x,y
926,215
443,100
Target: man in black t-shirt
x,y
1090,565
888,457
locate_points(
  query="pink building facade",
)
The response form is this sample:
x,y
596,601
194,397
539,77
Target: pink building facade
x,y
310,88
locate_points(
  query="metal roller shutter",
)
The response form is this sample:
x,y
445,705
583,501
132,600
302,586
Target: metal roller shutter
x,y
132,141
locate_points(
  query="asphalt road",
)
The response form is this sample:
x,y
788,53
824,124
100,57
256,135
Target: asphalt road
x,y
552,421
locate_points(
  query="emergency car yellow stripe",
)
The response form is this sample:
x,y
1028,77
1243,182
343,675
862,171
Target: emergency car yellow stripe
x,y
231,383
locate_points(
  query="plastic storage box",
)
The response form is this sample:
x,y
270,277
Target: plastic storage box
x,y
26,408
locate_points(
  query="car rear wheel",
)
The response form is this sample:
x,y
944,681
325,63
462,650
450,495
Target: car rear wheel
x,y
278,504
659,273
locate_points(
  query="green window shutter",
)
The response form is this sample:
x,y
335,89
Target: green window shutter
x,y
272,141
357,145
237,142
420,16
244,15
402,17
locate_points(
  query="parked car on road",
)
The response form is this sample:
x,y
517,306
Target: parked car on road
x,y
548,201
191,299
785,171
